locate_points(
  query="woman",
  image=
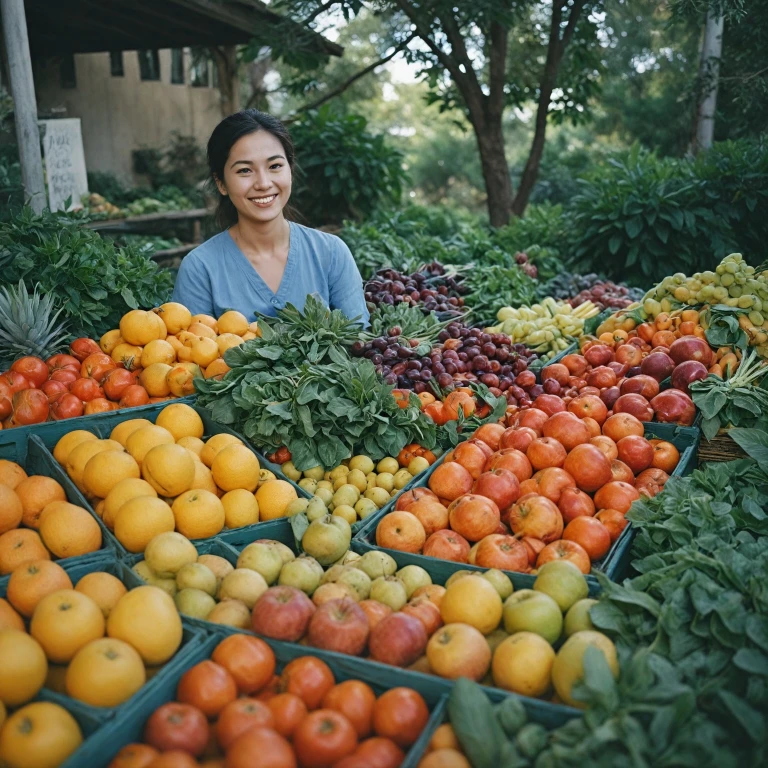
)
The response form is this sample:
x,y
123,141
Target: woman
x,y
260,261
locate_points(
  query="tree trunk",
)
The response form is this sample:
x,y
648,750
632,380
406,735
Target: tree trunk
x,y
498,184
709,72
225,59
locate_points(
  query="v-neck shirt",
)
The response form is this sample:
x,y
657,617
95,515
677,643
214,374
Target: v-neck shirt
x,y
217,276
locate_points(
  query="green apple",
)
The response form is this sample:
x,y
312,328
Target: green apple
x,y
529,611
304,573
197,576
563,582
327,539
568,667
167,552
413,576
577,618
501,582
194,602
376,564
390,591
262,558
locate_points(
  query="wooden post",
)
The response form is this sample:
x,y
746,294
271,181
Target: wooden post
x,y
24,103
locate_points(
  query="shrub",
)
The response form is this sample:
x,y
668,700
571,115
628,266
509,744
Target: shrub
x,y
344,172
94,281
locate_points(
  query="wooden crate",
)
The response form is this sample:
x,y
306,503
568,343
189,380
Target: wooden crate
x,y
720,448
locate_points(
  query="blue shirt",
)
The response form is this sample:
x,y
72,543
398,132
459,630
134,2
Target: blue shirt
x,y
216,276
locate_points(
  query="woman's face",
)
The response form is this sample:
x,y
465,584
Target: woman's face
x,y
257,177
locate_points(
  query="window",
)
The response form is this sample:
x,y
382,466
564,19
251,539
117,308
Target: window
x,y
67,71
116,63
149,64
177,66
198,73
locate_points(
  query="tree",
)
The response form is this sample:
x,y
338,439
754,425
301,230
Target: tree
x,y
485,58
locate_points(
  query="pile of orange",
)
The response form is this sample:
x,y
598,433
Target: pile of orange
x,y
234,706
37,522
146,478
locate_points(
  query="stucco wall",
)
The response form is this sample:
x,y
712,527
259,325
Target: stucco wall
x,y
120,114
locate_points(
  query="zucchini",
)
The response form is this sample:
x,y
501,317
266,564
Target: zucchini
x,y
473,721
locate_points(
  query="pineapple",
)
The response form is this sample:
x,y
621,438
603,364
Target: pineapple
x,y
27,325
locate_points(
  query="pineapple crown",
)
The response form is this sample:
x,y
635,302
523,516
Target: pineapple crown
x,y
28,325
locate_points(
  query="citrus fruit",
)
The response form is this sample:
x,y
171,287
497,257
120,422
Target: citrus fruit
x,y
180,420
30,583
240,508
20,546
23,667
236,466
199,514
125,429
233,322
68,442
124,491
103,588
169,469
140,519
140,442
11,510
273,497
106,469
68,530
216,443
11,474
36,492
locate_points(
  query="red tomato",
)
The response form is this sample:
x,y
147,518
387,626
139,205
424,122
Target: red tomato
x,y
81,348
177,726
86,389
16,381
30,406
62,361
53,389
67,406
97,366
67,375
33,368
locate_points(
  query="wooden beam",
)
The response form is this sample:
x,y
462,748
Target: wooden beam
x,y
24,103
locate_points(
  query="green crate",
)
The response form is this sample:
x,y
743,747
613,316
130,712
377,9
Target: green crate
x,y
685,439
97,751
190,640
102,425
35,460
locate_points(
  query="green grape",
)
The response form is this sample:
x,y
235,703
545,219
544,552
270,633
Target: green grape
x,y
727,279
746,301
708,277
720,293
735,291
731,267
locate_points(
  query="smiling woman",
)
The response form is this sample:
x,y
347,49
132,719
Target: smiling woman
x,y
261,261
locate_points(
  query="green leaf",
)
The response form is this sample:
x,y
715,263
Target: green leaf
x,y
754,442
752,661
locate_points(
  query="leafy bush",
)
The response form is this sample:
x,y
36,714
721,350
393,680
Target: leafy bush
x,y
641,218
94,281
344,172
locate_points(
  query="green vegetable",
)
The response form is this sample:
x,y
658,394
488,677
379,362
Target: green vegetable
x,y
531,739
476,728
511,715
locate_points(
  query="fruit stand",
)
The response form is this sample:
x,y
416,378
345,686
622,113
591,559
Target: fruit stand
x,y
433,542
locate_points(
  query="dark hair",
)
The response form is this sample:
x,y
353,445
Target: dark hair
x,y
230,130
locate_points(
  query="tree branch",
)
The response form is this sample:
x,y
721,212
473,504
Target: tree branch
x,y
497,68
459,49
321,9
343,87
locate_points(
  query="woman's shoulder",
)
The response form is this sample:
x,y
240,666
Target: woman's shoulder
x,y
319,239
208,252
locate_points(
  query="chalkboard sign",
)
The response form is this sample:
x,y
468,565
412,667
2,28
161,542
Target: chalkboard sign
x,y
64,162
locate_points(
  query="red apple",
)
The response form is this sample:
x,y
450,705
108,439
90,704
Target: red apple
x,y
282,613
686,373
498,485
658,365
641,384
673,405
691,348
636,405
426,612
599,354
339,625
610,396
399,639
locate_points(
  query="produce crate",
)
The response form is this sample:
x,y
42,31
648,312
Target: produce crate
x,y
93,729
102,424
685,439
191,639
721,447
32,455
104,745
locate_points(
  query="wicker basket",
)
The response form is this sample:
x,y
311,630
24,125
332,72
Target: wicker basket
x,y
720,448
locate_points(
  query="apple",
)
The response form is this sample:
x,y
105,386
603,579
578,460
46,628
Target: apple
x,y
339,625
358,580
426,612
286,553
563,582
332,591
262,558
231,613
500,581
686,373
374,611
658,365
242,584
672,405
577,618
390,591
523,664
377,564
459,650
634,404
282,613
691,348
304,573
218,565
413,577
194,603
327,539
398,639
529,611
196,576
167,552
499,485
568,667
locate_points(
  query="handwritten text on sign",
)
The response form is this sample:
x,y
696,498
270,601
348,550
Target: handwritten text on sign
x,y
64,162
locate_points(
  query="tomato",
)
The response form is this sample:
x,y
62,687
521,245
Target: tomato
x,y
402,397
66,375
260,747
33,368
134,395
409,453
177,726
82,348
98,405
355,700
207,686
437,413
66,406
53,389
400,714
309,678
134,756
456,400
239,716
374,753
323,738
174,758
97,366
86,389
6,405
16,381
30,406
249,660
55,362
116,382
289,710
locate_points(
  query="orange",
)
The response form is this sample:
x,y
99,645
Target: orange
x,y
355,700
236,466
129,355
82,453
233,322
205,320
147,619
158,351
194,444
9,618
199,514
20,546
142,518
144,439
273,497
11,509
103,588
181,420
204,352
175,316
126,428
64,622
226,341
69,441
68,531
105,673
240,508
217,443
106,469
40,735
110,340
444,737
23,667
216,369
400,714
30,583
169,469
153,379
11,474
124,491
445,757
139,327
134,756
203,479
181,378
36,492
472,600
202,331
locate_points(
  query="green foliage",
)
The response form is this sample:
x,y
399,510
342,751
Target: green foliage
x,y
93,282
181,164
344,171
